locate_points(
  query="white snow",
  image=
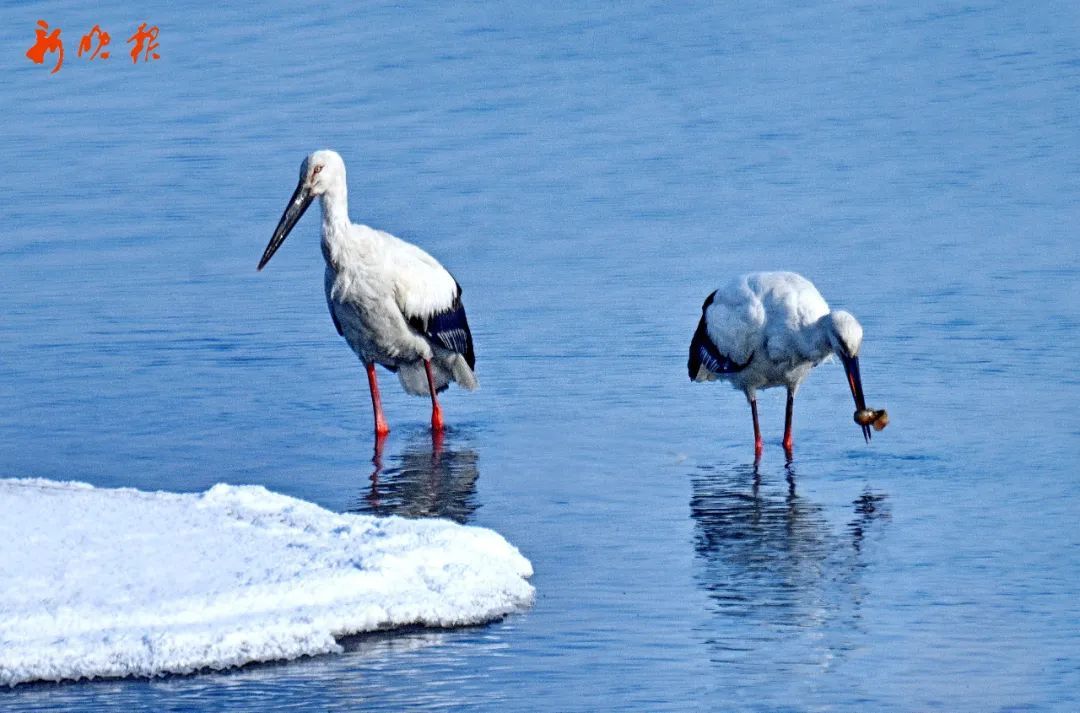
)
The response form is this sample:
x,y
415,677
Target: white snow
x,y
120,582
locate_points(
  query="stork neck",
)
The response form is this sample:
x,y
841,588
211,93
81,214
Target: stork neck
x,y
335,210
340,245
820,338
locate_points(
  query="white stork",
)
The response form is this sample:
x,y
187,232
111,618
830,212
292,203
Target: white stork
x,y
769,329
394,304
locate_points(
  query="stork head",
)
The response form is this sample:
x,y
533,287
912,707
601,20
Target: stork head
x,y
320,173
845,333
845,336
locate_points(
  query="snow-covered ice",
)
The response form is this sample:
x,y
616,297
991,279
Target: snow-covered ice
x,y
118,582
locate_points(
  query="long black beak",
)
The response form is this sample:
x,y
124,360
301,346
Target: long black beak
x,y
301,199
851,368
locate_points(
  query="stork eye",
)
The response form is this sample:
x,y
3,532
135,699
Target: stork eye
x,y
317,169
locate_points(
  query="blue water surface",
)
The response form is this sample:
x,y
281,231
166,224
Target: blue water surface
x,y
589,172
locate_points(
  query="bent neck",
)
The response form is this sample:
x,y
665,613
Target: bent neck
x,y
821,335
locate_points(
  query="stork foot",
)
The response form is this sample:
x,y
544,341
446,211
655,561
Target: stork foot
x,y
437,420
759,447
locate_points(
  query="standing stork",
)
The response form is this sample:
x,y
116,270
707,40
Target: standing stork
x,y
769,329
394,304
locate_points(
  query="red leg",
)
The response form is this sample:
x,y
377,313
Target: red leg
x,y
759,445
436,410
381,429
789,442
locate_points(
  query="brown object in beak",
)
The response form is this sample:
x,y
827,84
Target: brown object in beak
x,y
869,417
881,420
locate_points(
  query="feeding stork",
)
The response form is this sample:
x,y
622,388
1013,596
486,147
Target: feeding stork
x,y
769,329
393,303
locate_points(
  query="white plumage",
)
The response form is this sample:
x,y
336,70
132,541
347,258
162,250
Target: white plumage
x,y
393,303
769,329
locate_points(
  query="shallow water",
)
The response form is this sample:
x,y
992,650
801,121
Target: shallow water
x,y
589,175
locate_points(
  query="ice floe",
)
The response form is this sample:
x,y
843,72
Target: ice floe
x,y
119,582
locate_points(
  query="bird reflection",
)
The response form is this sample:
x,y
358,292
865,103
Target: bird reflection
x,y
432,476
768,553
761,550
869,507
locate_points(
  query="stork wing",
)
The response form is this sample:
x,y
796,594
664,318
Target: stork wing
x,y
448,329
430,299
728,334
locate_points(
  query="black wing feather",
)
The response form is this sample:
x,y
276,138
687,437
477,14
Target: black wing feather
x,y
449,329
704,352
